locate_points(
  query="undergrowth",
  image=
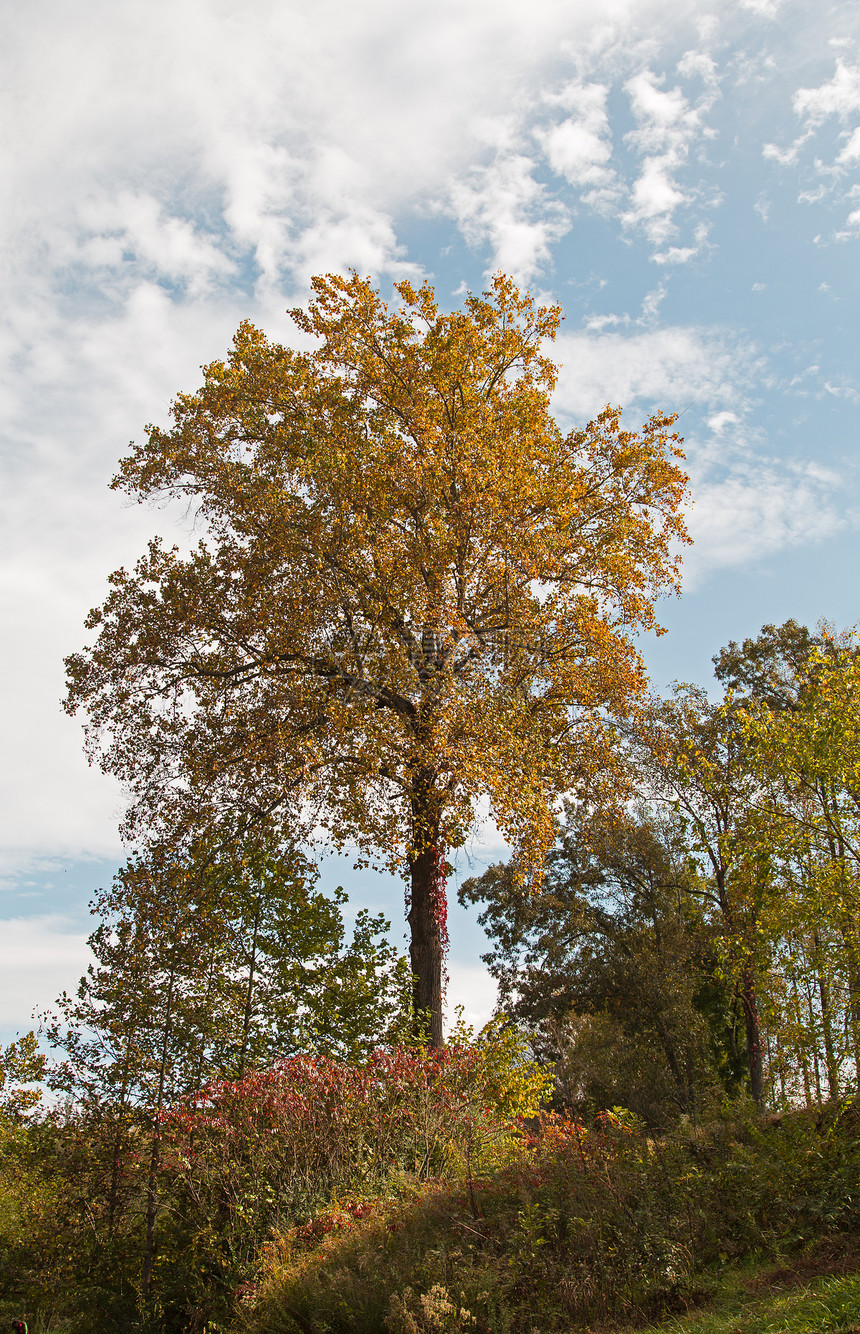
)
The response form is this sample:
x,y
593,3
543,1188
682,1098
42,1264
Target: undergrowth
x,y
590,1228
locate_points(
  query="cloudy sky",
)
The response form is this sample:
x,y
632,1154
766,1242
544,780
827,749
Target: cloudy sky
x,y
683,178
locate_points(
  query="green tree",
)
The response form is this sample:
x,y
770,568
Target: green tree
x,y
760,807
807,759
209,962
611,968
694,758
771,675
412,590
771,668
22,1068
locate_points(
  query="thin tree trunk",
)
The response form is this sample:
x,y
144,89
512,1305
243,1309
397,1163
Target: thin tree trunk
x,y
848,935
826,1020
207,1027
746,995
119,1138
808,990
249,993
678,1075
801,1045
155,1156
427,910
752,1025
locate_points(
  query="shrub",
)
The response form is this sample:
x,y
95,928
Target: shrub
x,y
311,1145
586,1228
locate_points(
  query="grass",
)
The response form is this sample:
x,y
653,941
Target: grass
x,y
826,1304
774,1304
768,1302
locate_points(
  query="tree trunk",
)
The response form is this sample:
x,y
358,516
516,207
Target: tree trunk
x,y
120,1138
427,911
681,1082
752,1024
826,1020
801,1045
849,936
248,1011
155,1155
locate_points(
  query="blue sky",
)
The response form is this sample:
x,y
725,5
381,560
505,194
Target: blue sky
x,y
683,179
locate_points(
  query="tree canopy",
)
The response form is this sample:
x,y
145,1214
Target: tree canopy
x,y
412,589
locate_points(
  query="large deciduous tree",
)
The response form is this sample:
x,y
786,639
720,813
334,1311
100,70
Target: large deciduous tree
x,y
412,588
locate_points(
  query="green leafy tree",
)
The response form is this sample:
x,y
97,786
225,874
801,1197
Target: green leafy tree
x,y
772,678
808,759
769,669
413,590
611,968
694,758
207,966
22,1068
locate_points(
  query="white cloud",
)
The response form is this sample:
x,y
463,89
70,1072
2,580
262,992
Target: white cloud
x,y
812,196
851,150
472,987
849,391
669,367
721,420
654,198
579,148
683,254
786,157
648,316
263,123
766,9
597,323
740,519
651,304
667,126
40,957
762,207
840,96
746,504
666,121
700,64
134,224
77,391
504,207
812,369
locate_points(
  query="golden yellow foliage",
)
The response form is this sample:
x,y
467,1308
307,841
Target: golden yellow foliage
x,y
414,590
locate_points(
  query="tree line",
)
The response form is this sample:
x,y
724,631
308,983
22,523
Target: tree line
x,y
703,939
